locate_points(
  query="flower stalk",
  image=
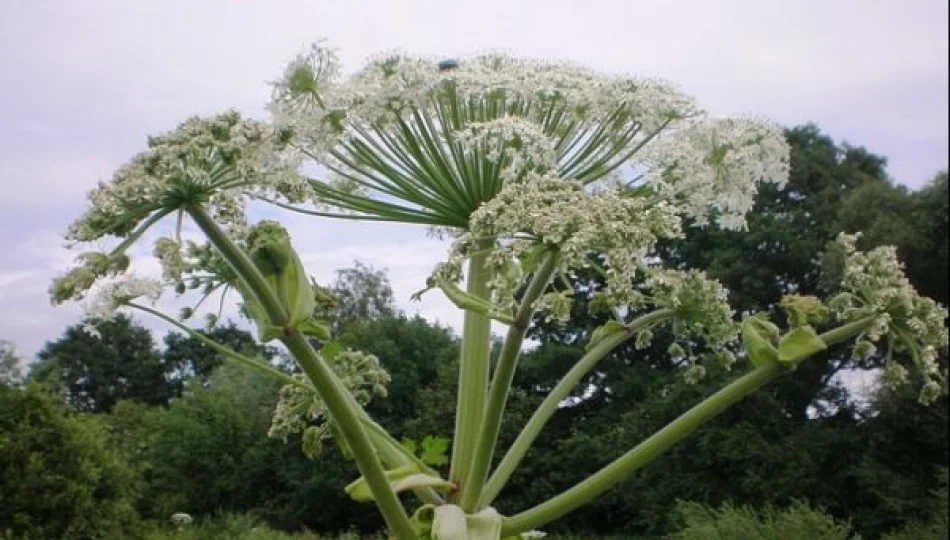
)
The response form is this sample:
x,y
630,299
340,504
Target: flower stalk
x,y
324,380
558,394
663,440
501,382
473,371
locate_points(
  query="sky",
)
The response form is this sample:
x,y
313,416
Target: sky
x,y
82,83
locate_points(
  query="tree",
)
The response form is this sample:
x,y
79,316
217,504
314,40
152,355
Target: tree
x,y
10,371
360,293
186,357
98,371
59,476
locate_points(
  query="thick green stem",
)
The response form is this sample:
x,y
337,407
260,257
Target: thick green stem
x,y
473,370
554,399
501,382
661,441
242,265
335,395
324,380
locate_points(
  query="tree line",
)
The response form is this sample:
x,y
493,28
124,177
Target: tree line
x,y
105,432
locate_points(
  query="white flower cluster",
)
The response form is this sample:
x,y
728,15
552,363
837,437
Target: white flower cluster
x,y
561,214
300,410
180,519
109,296
515,144
874,285
214,160
700,305
171,258
93,266
392,87
400,116
701,315
712,167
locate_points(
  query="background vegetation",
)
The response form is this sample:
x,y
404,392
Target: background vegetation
x,y
107,438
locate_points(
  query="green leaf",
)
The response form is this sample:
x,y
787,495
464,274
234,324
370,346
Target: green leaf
x,y
760,350
601,332
410,445
330,349
401,479
799,344
421,520
315,329
434,450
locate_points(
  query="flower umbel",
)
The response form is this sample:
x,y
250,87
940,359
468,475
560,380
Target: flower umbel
x,y
300,409
874,285
211,161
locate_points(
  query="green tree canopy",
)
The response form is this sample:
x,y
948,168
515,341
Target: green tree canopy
x,y
59,477
97,371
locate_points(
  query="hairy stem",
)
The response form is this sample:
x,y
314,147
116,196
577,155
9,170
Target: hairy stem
x,y
661,441
553,400
324,380
501,382
473,370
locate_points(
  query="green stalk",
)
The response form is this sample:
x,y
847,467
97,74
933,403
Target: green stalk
x,y
473,370
662,440
554,399
501,382
259,365
324,380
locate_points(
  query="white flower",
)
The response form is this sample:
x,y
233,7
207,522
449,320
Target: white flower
x,y
561,213
694,374
215,160
874,285
170,257
110,296
712,168
180,519
515,144
300,410
699,305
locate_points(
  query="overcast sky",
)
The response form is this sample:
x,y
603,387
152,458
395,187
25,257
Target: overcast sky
x,y
82,83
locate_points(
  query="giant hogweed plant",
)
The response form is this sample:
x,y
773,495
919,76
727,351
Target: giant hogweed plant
x,y
535,170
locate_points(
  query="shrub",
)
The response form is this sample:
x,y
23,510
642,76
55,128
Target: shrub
x,y
58,476
798,522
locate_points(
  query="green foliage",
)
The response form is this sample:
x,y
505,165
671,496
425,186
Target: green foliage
x,y
431,450
805,438
208,450
798,522
59,476
10,370
360,293
97,372
187,358
228,526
